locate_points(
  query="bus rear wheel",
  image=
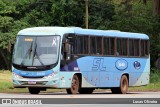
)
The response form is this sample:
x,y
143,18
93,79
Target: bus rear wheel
x,y
74,86
34,90
123,86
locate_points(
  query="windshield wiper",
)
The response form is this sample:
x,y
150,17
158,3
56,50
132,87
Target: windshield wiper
x,y
28,52
36,54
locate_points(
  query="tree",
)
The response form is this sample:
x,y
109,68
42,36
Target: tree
x,y
101,13
18,14
124,15
145,1
156,7
6,22
9,26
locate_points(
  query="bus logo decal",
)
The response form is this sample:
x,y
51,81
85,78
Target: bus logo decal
x,y
98,64
137,65
121,64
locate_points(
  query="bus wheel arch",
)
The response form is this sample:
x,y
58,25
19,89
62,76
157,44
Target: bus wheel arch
x,y
75,84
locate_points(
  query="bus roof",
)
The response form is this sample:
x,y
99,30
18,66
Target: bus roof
x,y
63,30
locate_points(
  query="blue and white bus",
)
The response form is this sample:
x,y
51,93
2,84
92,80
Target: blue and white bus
x,y
80,60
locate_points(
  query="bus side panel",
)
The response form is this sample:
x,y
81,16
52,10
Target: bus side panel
x,y
85,80
98,71
109,79
93,78
141,76
107,71
65,79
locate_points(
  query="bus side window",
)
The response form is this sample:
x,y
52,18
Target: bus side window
x,y
99,45
93,48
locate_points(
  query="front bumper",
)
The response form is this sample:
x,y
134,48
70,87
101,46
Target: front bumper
x,y
35,83
50,81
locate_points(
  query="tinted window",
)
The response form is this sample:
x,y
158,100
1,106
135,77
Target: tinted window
x,y
106,45
136,47
112,46
131,47
93,45
99,45
82,44
144,48
122,46
109,45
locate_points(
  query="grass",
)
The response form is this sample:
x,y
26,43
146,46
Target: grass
x,y
5,80
151,87
154,83
6,84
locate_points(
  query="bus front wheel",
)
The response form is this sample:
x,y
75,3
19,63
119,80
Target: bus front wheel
x,y
123,86
74,86
34,90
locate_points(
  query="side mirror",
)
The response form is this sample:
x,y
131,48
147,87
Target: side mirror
x,y
67,51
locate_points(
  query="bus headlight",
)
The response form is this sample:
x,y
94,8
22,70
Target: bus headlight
x,y
49,76
16,75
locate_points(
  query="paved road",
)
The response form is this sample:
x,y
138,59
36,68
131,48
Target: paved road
x,y
106,94
98,95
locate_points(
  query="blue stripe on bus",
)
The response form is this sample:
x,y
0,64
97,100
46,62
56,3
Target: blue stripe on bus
x,y
32,73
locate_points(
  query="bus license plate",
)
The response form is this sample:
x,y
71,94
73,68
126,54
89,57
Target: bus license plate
x,y
31,82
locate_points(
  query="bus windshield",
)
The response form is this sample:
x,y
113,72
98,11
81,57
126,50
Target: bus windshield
x,y
36,50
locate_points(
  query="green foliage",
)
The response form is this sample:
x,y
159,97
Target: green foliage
x,y
20,14
6,7
155,76
131,16
135,16
65,13
134,19
101,13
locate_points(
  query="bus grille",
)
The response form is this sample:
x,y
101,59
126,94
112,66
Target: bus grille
x,y
32,77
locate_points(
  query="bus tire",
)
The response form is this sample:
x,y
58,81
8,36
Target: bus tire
x,y
123,86
86,90
74,86
34,90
